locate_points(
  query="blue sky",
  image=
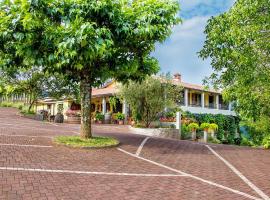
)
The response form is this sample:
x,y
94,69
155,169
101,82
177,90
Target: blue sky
x,y
179,52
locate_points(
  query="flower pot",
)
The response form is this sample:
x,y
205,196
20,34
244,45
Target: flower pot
x,y
59,118
120,122
99,122
73,119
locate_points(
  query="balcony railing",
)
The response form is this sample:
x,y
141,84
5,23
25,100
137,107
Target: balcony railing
x,y
223,107
195,104
210,106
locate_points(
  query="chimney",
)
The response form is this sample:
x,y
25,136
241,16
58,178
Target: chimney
x,y
177,77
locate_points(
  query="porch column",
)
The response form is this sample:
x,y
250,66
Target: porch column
x,y
217,101
178,124
125,109
103,105
186,97
202,100
230,106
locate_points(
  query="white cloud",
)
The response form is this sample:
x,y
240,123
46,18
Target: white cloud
x,y
179,53
189,4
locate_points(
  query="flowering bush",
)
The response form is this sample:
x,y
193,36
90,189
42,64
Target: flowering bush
x,y
167,119
73,113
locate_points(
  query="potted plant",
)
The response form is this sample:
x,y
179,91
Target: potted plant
x,y
205,127
193,127
120,118
212,129
99,118
73,116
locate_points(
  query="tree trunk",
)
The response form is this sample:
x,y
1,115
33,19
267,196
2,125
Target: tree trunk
x,y
32,100
86,93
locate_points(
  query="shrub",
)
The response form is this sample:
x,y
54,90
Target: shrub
x,y
214,140
6,104
266,142
99,117
120,116
25,111
170,114
237,140
185,133
246,142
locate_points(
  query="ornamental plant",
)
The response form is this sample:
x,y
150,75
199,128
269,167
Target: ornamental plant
x,y
213,127
205,126
120,116
193,126
99,117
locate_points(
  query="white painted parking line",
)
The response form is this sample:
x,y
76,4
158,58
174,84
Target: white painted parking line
x,y
192,176
238,173
31,136
87,172
26,145
37,129
141,146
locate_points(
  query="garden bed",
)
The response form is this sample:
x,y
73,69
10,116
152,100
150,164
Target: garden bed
x,y
94,142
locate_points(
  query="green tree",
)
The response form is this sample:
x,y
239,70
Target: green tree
x,y
150,97
238,43
87,41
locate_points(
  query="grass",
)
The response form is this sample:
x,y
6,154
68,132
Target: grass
x,y
94,142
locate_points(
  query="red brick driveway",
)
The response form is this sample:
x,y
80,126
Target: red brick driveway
x,y
31,167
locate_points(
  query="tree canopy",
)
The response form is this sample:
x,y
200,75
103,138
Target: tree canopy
x,y
238,43
148,99
86,41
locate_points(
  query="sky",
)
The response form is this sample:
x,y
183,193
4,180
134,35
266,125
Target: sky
x,y
179,52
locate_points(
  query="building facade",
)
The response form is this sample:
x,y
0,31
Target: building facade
x,y
196,99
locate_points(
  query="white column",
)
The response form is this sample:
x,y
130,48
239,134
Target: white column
x,y
202,100
186,97
103,105
230,106
217,101
205,136
178,123
125,109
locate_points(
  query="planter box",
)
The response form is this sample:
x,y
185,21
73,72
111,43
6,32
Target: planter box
x,y
73,120
157,132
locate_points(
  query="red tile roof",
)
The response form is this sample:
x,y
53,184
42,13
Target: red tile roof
x,y
104,91
196,87
109,91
